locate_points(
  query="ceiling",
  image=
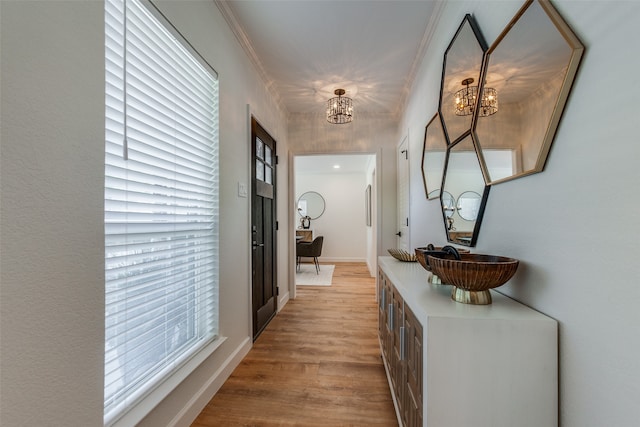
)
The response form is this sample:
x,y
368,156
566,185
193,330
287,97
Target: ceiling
x,y
326,164
306,49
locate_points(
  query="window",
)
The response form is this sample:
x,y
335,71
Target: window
x,y
161,205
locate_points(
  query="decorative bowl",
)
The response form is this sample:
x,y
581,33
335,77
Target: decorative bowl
x,y
402,255
473,275
423,252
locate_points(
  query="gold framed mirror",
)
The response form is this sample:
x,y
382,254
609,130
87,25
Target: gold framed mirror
x,y
530,68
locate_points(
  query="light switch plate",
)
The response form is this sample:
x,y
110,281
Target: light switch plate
x,y
242,189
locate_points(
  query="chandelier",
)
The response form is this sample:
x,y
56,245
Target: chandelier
x,y
466,100
340,109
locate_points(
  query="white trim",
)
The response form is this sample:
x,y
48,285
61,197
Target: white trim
x,y
291,205
283,300
142,408
325,259
168,25
420,55
198,401
249,218
245,43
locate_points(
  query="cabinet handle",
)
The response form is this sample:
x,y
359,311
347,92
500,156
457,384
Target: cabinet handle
x,y
402,343
390,318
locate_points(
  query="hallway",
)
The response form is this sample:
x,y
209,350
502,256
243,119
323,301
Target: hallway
x,y
316,364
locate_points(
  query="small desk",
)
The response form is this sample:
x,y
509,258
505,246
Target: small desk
x,y
304,235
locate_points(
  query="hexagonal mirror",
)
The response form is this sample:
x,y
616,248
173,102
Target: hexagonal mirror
x,y
460,78
530,69
464,183
434,151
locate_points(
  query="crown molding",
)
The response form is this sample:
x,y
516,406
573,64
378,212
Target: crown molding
x,y
245,42
417,62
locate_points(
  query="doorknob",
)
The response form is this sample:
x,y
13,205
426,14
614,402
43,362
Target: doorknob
x,y
256,244
399,234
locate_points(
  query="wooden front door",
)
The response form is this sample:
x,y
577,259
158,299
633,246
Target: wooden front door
x,y
263,227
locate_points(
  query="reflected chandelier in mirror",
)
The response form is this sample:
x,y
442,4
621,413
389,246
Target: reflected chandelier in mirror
x,y
461,67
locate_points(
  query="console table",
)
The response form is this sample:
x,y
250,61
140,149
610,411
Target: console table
x,y
306,233
451,364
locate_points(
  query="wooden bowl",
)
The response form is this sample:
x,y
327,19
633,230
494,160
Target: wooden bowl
x,y
422,252
473,275
402,255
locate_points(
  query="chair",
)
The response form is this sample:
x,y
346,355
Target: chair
x,y
310,250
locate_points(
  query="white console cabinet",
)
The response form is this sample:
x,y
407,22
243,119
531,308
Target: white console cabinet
x,y
481,366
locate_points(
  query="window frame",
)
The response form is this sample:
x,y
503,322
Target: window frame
x,y
163,381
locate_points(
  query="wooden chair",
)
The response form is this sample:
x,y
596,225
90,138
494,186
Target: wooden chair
x,y
310,250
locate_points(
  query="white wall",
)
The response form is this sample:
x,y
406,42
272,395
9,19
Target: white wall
x,y
372,231
343,222
573,226
372,134
51,206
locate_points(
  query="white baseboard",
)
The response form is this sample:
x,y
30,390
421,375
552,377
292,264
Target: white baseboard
x,y
325,260
197,403
284,299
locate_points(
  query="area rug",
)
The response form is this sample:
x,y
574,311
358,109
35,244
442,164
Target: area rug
x,y
307,276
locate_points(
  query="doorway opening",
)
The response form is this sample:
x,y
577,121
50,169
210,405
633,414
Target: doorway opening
x,y
346,187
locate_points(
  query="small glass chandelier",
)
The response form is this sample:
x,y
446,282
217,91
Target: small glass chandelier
x,y
466,100
340,108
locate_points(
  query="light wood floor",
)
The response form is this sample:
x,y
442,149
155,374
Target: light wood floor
x,y
316,364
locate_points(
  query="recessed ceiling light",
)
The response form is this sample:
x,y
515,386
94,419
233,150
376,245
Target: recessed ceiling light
x,y
336,166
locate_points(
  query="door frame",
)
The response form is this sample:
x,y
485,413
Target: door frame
x,y
292,222
274,249
402,150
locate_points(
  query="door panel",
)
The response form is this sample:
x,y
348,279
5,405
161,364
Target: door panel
x,y
263,227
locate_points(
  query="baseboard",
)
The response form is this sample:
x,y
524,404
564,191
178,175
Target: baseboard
x,y
325,260
197,403
372,270
284,299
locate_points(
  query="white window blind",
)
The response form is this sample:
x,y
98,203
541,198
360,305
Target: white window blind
x,y
161,205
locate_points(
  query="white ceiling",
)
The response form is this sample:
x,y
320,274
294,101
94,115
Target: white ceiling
x,y
325,164
306,49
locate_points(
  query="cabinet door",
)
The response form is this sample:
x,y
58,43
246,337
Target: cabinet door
x,y
382,302
413,411
385,319
398,351
413,329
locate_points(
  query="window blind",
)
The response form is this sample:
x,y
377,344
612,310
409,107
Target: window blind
x,y
161,205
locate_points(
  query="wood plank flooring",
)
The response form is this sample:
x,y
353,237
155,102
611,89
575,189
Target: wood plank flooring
x,y
316,364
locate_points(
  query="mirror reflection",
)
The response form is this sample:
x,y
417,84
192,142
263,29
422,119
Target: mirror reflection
x,y
311,204
434,151
531,66
460,78
468,205
464,182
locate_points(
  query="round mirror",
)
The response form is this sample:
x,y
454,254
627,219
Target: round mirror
x,y
448,204
311,204
469,205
